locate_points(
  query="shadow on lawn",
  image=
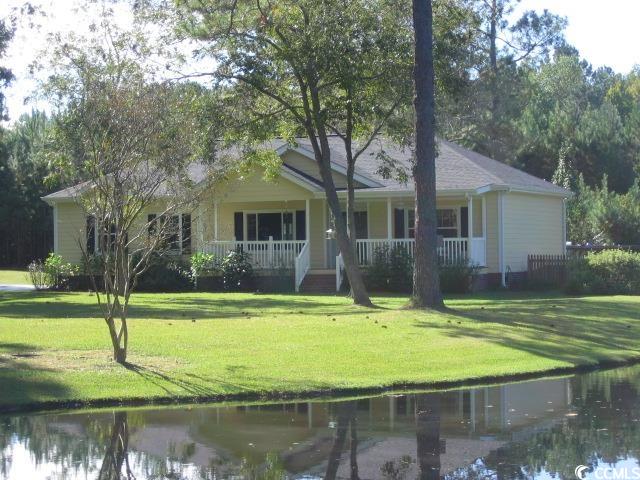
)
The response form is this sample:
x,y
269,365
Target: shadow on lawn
x,y
575,330
189,383
21,382
172,306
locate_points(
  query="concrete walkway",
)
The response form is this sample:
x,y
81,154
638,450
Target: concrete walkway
x,y
16,288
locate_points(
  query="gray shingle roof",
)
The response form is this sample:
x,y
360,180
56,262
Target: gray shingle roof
x,y
457,169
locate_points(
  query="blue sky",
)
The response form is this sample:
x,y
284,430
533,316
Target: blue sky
x,y
605,32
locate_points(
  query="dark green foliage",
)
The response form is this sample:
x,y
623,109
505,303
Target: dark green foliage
x,y
165,274
237,272
26,223
391,270
6,75
601,216
608,272
458,277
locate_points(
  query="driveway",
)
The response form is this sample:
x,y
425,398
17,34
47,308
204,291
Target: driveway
x,y
16,288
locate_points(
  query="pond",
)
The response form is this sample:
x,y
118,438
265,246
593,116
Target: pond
x,y
536,429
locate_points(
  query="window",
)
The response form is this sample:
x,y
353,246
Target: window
x,y
301,225
404,223
411,223
277,225
176,230
238,226
186,234
447,222
91,235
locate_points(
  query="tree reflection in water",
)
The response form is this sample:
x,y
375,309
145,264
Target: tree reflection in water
x,y
117,455
346,413
428,435
593,419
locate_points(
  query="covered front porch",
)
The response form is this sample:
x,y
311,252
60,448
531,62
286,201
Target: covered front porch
x,y
297,235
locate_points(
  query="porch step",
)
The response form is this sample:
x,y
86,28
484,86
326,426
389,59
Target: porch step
x,y
319,283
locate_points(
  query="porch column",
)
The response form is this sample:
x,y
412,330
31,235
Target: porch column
x,y
389,234
307,220
470,228
215,221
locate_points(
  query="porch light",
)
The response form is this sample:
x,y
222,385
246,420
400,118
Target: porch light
x,y
330,234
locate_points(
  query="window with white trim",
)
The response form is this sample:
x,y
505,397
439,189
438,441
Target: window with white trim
x,y
447,222
404,222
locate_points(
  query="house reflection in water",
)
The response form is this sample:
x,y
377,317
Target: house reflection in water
x,y
404,436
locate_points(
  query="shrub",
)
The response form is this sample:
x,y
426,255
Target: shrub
x,y
203,264
391,270
458,277
606,272
53,273
38,275
237,272
165,274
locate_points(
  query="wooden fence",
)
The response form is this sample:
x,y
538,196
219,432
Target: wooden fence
x,y
547,270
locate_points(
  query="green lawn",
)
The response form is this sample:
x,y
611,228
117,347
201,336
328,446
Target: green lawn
x,y
54,347
14,277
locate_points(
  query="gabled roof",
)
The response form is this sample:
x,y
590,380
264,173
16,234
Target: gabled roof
x,y
458,170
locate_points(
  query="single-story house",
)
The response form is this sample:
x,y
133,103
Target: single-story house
x,y
490,213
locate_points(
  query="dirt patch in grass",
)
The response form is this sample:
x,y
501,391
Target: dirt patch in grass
x,y
82,361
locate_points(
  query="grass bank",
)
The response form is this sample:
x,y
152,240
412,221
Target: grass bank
x,y
19,277
54,348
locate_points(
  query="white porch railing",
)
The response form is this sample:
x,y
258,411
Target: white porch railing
x,y
451,250
301,265
265,254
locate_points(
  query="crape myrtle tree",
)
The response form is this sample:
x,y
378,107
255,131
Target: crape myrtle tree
x,y
130,139
308,68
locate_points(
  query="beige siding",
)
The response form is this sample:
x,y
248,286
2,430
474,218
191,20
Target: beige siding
x,y
492,233
254,188
70,229
377,217
317,229
477,217
532,224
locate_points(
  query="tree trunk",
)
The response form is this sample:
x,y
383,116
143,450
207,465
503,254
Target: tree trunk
x,y
428,435
354,274
119,340
426,281
493,80
351,205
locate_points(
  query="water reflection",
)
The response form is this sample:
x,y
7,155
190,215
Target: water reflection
x,y
524,430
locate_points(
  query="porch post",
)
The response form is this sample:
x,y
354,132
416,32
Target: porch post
x,y
307,221
484,217
470,228
215,221
389,234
